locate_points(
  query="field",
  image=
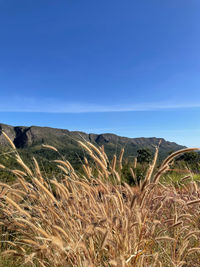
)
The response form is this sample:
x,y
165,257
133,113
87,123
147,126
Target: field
x,y
96,218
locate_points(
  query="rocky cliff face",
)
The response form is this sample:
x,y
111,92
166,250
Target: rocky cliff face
x,y
9,130
28,136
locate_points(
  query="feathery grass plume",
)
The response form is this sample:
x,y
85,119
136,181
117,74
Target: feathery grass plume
x,y
117,176
135,163
3,185
133,201
2,166
86,161
143,198
193,250
64,169
133,176
101,155
9,251
61,187
159,173
165,238
14,204
182,249
104,240
50,147
190,234
30,242
19,192
129,189
64,163
152,166
23,165
120,158
103,151
62,231
177,224
19,173
100,163
195,187
85,147
185,178
9,140
86,171
37,170
196,201
45,190
105,186
185,215
114,163
70,166
33,227
177,153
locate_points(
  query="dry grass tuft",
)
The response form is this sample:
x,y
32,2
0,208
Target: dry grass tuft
x,y
95,220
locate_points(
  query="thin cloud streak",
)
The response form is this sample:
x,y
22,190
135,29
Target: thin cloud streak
x,y
50,106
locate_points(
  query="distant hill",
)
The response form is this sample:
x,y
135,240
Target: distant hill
x,y
29,141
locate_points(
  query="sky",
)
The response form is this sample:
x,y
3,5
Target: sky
x,y
127,67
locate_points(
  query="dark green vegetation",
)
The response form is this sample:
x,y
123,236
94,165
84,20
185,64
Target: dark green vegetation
x,y
29,141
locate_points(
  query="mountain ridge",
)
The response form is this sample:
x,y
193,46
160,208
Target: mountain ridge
x,y
31,138
23,136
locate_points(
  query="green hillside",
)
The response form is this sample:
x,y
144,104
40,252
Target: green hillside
x,y
29,140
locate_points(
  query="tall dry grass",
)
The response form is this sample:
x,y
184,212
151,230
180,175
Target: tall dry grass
x,y
95,220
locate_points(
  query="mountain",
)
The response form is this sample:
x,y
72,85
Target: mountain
x,y
29,141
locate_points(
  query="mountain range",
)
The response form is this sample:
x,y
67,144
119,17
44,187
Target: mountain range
x,y
29,141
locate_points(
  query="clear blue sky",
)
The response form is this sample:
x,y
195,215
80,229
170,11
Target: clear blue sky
x,y
128,67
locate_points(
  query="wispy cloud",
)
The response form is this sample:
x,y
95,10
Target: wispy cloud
x,y
18,104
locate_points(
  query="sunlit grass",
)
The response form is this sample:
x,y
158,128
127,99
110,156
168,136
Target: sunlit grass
x,y
96,219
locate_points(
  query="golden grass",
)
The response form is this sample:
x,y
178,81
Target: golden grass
x,y
95,220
